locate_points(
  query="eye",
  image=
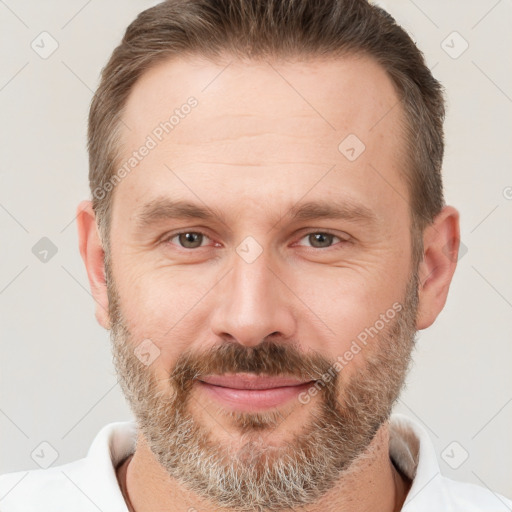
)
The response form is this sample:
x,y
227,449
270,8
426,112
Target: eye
x,y
194,239
321,239
187,239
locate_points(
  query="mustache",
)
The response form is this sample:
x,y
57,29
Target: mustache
x,y
268,358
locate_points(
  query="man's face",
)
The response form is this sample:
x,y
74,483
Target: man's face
x,y
260,290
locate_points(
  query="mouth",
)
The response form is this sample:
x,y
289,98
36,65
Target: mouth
x,y
250,392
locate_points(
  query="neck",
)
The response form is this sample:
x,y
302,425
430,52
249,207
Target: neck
x,y
371,483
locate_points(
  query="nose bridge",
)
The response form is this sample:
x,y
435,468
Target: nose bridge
x,y
252,303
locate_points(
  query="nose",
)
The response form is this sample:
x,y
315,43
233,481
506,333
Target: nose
x,y
253,304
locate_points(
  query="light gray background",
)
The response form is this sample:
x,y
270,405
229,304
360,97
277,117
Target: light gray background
x,y
56,378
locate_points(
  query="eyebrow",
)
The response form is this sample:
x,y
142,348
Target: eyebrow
x,y
347,210
166,209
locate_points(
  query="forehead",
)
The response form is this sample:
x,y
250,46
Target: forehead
x,y
257,125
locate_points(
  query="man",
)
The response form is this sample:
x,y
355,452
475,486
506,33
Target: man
x,y
267,232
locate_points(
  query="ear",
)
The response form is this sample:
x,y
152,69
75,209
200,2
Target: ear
x,y
441,242
93,256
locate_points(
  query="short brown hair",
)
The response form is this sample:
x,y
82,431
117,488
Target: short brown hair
x,y
274,28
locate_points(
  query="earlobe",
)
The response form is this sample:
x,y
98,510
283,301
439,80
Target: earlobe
x,y
93,257
441,242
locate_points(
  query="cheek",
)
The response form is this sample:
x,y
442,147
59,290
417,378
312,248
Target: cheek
x,y
346,306
162,305
158,297
332,305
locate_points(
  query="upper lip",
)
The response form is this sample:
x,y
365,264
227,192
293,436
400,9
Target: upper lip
x,y
251,381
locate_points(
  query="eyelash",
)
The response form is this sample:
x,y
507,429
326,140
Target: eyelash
x,y
168,239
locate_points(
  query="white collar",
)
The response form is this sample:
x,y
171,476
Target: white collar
x,y
410,448
412,451
91,483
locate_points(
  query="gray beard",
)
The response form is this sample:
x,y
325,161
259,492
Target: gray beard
x,y
258,476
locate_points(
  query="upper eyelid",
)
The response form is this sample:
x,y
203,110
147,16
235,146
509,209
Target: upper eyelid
x,y
326,232
168,238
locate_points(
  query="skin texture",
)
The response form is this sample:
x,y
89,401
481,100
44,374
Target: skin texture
x,y
264,137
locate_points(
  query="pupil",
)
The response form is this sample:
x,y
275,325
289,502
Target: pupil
x,y
191,238
321,238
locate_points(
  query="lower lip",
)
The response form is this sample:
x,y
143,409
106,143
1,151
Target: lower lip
x,y
250,400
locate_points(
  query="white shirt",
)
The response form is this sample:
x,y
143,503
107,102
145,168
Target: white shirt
x,y
90,484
